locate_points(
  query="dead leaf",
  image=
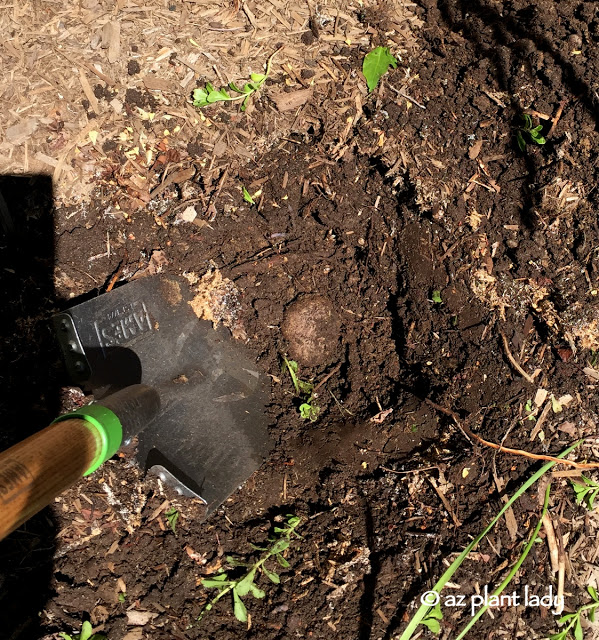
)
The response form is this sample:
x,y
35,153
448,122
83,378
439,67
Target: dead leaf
x,y
157,262
381,415
18,133
475,149
98,615
134,634
569,428
111,40
139,618
592,373
565,353
565,400
153,83
188,215
540,397
213,567
291,101
200,558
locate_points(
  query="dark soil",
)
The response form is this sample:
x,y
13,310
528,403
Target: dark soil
x,y
376,236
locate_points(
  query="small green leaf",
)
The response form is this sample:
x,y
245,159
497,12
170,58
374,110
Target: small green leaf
x,y
244,586
122,597
537,129
219,581
593,593
234,87
436,297
432,624
282,561
244,104
256,592
540,140
555,405
200,98
279,546
527,121
216,96
256,548
86,631
65,636
239,608
258,77
578,635
309,411
272,575
567,617
431,620
592,614
172,515
237,563
376,64
247,196
292,520
305,387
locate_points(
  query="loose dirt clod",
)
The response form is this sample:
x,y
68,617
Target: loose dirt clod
x,y
311,327
217,300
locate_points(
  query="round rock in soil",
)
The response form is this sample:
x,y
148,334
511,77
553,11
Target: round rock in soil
x,y
311,327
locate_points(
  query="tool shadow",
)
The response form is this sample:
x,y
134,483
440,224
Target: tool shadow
x,y
29,384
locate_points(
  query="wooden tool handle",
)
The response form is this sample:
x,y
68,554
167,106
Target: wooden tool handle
x,y
35,471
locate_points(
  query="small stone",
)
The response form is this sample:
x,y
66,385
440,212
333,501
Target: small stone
x,y
312,328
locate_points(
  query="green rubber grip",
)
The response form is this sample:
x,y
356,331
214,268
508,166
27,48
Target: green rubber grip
x,y
106,427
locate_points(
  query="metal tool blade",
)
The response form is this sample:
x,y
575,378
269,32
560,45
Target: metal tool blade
x,y
211,433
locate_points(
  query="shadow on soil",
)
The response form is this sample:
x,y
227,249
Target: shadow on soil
x,y
503,40
28,384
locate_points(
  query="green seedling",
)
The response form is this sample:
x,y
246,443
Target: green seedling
x,y
86,633
424,611
586,491
203,97
433,619
308,409
376,64
529,409
247,196
514,569
572,620
436,297
172,515
241,587
530,132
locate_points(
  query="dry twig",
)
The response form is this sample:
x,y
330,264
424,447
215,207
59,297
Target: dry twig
x,y
551,542
556,118
513,360
117,273
445,501
515,452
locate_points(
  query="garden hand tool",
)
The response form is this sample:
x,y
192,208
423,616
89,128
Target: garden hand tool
x,y
187,397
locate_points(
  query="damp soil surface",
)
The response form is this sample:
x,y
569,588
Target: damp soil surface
x,y
431,279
